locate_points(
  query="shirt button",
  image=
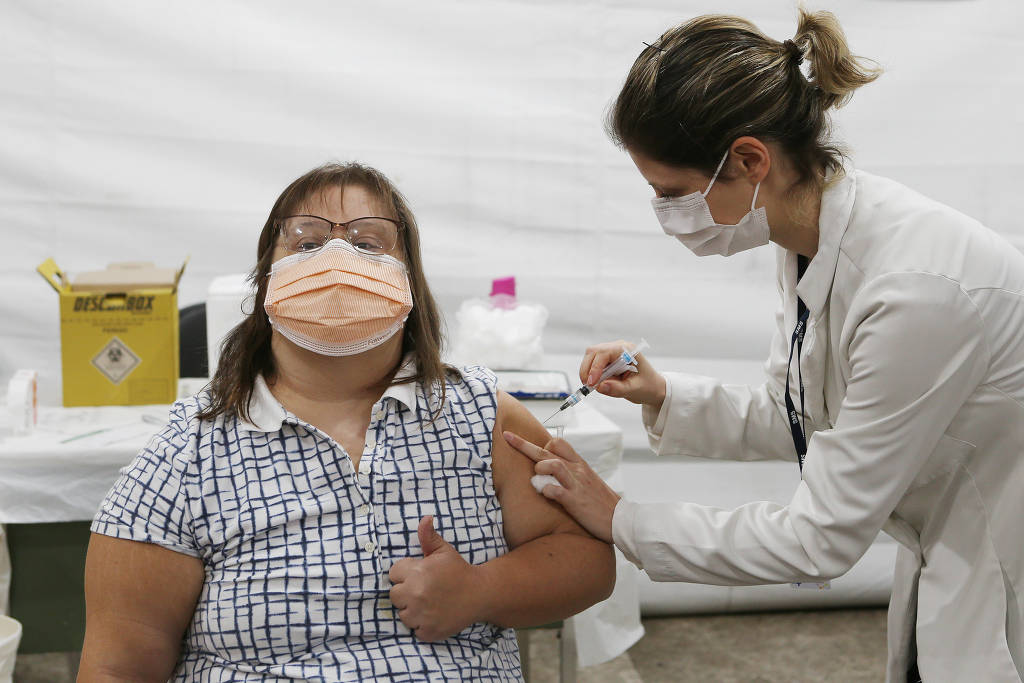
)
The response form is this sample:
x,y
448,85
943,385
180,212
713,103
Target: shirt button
x,y
364,467
369,546
371,443
379,415
364,509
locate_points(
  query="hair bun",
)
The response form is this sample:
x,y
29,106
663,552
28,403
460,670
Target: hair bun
x,y
795,53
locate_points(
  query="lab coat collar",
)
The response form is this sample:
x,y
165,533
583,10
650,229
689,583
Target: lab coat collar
x,y
833,219
267,414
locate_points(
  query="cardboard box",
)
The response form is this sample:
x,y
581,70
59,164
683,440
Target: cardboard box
x,y
118,333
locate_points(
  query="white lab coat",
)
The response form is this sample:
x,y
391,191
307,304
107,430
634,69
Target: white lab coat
x,y
914,371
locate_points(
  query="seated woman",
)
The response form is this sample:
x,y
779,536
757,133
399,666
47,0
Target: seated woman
x,y
281,526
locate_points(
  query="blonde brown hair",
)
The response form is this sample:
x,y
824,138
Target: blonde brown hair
x,y
716,78
245,352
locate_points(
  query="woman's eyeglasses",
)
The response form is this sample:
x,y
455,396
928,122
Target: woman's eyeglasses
x,y
372,234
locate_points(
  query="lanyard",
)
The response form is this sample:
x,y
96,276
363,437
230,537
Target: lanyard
x,y
797,344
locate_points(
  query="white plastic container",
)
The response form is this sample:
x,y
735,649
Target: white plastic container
x,y
22,402
10,636
228,300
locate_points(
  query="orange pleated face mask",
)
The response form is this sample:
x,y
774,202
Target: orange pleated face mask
x,y
337,300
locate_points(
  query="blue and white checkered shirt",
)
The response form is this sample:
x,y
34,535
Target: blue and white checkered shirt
x,y
297,545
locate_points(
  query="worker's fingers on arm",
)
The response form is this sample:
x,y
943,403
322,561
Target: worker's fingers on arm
x,y
554,448
555,493
558,470
562,449
530,450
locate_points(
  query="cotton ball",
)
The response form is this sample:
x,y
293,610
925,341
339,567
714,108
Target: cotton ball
x,y
503,338
539,481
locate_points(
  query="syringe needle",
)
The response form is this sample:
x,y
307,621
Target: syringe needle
x,y
550,418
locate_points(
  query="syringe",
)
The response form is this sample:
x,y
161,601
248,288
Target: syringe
x,y
626,362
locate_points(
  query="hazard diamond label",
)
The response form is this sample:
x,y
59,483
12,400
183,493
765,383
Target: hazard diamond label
x,y
116,360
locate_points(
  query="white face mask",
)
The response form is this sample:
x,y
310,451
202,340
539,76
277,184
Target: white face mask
x,y
689,220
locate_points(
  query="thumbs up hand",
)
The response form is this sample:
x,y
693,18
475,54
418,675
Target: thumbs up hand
x,y
436,595
430,540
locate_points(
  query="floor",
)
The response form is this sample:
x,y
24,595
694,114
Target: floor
x,y
842,646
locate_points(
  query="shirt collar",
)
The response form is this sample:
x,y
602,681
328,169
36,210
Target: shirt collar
x,y
833,219
404,393
266,414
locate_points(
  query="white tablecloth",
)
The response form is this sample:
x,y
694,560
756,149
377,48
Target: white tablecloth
x,y
63,470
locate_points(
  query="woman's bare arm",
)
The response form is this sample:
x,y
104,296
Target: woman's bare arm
x,y
139,600
555,568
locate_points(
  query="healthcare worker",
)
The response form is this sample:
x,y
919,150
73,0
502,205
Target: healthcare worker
x,y
895,377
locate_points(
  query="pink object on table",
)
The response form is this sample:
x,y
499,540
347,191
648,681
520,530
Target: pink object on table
x,y
503,292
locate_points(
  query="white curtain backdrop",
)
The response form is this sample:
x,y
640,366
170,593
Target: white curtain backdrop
x,y
145,130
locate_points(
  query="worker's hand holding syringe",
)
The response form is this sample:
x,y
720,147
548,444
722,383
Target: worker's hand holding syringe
x,y
621,366
645,385
616,369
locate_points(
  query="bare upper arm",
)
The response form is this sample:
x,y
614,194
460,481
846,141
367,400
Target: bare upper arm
x,y
527,514
139,599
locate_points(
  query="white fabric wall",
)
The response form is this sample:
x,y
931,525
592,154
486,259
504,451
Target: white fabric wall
x,y
150,130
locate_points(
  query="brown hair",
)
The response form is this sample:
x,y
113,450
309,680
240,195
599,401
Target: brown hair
x,y
245,352
716,78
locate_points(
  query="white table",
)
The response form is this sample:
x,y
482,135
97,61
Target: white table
x,y
64,469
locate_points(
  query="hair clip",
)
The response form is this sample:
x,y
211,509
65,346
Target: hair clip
x,y
654,47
